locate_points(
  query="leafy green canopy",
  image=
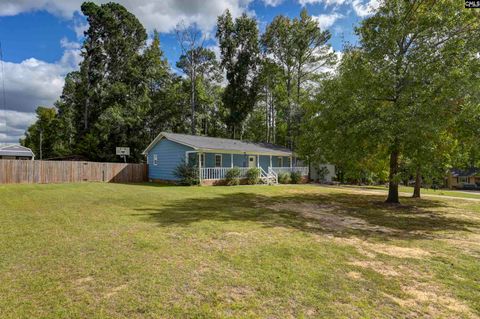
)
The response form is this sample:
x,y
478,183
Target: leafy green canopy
x,y
240,52
400,92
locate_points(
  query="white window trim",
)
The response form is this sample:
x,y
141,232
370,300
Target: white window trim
x,y
202,159
215,160
155,159
280,161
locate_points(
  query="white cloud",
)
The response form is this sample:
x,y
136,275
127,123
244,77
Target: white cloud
x,y
79,26
325,21
364,9
272,3
216,49
32,83
61,8
326,2
70,45
162,15
17,122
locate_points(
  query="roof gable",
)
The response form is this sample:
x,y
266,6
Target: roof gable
x,y
465,172
205,143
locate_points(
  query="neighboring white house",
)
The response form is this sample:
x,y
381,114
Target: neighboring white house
x,y
13,152
322,172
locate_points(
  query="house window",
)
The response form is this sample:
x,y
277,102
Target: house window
x,y
280,161
462,179
155,159
218,160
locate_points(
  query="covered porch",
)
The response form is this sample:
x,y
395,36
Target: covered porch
x,y
214,165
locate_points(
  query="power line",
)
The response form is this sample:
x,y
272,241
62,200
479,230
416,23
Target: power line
x,y
4,96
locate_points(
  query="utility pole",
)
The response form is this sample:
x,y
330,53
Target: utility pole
x,y
41,140
4,98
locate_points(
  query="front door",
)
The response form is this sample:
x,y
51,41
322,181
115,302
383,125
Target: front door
x,y
252,161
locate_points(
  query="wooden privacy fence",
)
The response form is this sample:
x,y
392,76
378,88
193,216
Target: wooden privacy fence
x,y
45,172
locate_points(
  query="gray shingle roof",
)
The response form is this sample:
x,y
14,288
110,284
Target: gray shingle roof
x,y
15,150
465,172
222,144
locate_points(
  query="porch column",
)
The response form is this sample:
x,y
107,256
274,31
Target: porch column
x,y
270,160
200,167
231,160
291,162
258,160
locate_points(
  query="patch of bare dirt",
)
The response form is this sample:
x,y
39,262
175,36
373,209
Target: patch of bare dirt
x,y
468,243
370,249
377,266
115,290
428,300
329,216
237,293
354,275
425,300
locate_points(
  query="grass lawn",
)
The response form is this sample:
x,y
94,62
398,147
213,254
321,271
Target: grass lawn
x,y
424,191
144,251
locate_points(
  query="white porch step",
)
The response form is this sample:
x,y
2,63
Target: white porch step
x,y
269,180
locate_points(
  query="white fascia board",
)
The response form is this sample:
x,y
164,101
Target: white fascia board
x,y
215,150
159,137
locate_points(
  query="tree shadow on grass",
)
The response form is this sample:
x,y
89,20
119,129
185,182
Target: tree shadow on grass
x,y
340,215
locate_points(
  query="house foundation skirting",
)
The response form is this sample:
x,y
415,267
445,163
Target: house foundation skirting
x,y
211,182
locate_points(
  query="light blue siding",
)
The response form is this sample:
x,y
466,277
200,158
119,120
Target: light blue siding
x,y
275,161
170,155
210,159
265,162
239,160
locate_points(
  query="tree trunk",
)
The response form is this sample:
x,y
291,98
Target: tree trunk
x,y
274,120
267,119
289,111
418,184
192,88
392,181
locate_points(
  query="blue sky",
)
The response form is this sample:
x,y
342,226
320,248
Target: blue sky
x,y
41,40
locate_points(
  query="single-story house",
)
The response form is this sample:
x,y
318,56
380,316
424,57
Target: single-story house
x,y
463,178
16,152
215,156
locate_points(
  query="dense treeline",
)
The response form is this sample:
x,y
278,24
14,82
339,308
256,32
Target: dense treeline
x,y
125,93
403,103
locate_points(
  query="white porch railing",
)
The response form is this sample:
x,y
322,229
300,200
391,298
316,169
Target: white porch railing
x,y
220,172
303,170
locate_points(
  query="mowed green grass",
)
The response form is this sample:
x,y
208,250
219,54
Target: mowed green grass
x,y
425,191
144,251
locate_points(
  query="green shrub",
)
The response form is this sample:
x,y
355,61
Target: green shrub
x,y
232,176
253,176
187,173
296,177
284,178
